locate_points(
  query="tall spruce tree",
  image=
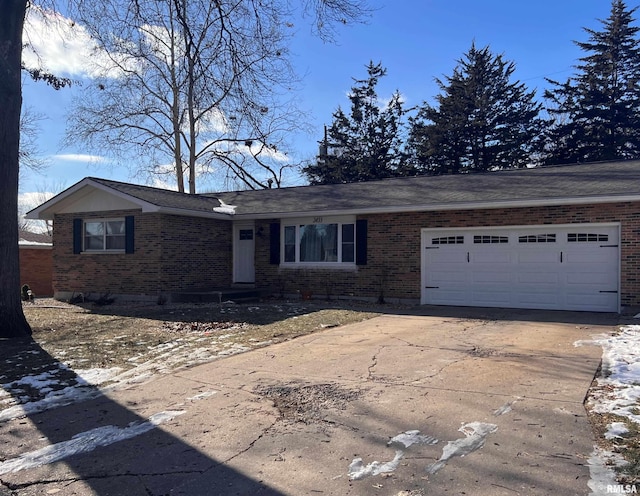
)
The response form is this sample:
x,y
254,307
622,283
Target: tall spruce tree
x,y
597,110
365,144
482,121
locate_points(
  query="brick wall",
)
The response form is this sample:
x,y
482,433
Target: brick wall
x,y
172,253
393,266
175,253
36,269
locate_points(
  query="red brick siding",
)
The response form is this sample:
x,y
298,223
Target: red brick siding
x,y
196,253
393,268
36,269
186,253
172,253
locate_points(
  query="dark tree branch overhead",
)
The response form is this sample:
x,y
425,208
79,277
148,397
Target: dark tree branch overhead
x,y
197,77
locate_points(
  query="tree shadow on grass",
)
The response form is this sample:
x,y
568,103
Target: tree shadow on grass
x,y
59,433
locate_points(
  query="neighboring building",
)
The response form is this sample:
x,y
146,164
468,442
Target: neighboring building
x,y
565,237
36,262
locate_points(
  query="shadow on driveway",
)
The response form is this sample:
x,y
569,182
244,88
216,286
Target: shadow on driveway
x,y
86,443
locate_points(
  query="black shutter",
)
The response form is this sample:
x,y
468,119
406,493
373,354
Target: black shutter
x,y
361,242
129,246
77,236
274,243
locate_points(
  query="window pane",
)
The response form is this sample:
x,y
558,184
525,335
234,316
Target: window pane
x,y
290,244
94,228
319,243
348,233
348,243
115,227
246,234
93,243
115,243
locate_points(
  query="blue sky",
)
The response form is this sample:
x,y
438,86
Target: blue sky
x,y
416,40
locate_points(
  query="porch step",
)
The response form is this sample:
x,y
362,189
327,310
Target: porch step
x,y
238,295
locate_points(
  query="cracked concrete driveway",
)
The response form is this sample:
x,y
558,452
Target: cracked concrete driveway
x,y
483,402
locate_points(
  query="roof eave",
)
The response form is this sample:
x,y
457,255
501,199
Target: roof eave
x,y
44,211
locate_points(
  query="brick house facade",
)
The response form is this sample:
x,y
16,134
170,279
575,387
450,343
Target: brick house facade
x,y
393,268
173,253
187,242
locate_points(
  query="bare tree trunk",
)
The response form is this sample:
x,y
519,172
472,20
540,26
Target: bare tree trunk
x,y
12,321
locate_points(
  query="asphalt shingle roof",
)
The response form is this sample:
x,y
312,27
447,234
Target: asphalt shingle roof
x,y
542,184
612,179
162,197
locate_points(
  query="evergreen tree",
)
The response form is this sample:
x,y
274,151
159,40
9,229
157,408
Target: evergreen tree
x,y
482,120
597,110
365,144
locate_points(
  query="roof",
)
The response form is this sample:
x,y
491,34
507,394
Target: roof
x,y
161,197
580,183
34,240
552,185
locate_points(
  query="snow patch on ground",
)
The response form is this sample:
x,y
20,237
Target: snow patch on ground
x,y
601,475
358,470
85,442
616,430
409,438
618,393
475,436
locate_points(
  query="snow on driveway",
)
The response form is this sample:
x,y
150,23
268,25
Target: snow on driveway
x,y
618,395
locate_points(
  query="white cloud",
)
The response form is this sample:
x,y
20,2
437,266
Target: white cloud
x,y
56,44
30,200
79,157
59,45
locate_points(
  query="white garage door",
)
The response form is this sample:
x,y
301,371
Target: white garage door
x,y
572,267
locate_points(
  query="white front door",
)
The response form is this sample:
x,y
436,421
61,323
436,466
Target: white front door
x,y
570,267
244,253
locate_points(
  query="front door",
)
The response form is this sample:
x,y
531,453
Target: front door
x,y
243,253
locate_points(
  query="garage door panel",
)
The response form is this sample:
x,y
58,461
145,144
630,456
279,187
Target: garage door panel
x,y
538,299
447,297
490,257
540,277
541,256
447,277
598,279
497,277
491,298
557,267
448,256
586,257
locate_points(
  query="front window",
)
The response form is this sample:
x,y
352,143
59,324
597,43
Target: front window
x,y
319,242
104,235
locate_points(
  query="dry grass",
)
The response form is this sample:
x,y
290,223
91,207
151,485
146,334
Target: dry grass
x,y
88,336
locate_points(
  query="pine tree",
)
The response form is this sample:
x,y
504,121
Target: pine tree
x,y
365,144
482,120
597,110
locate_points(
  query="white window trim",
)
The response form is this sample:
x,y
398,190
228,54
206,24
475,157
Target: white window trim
x,y
103,250
297,222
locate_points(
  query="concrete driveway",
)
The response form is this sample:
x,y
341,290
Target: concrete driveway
x,y
482,402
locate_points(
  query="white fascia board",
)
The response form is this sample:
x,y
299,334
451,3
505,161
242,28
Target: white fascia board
x,y
195,213
447,206
44,211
